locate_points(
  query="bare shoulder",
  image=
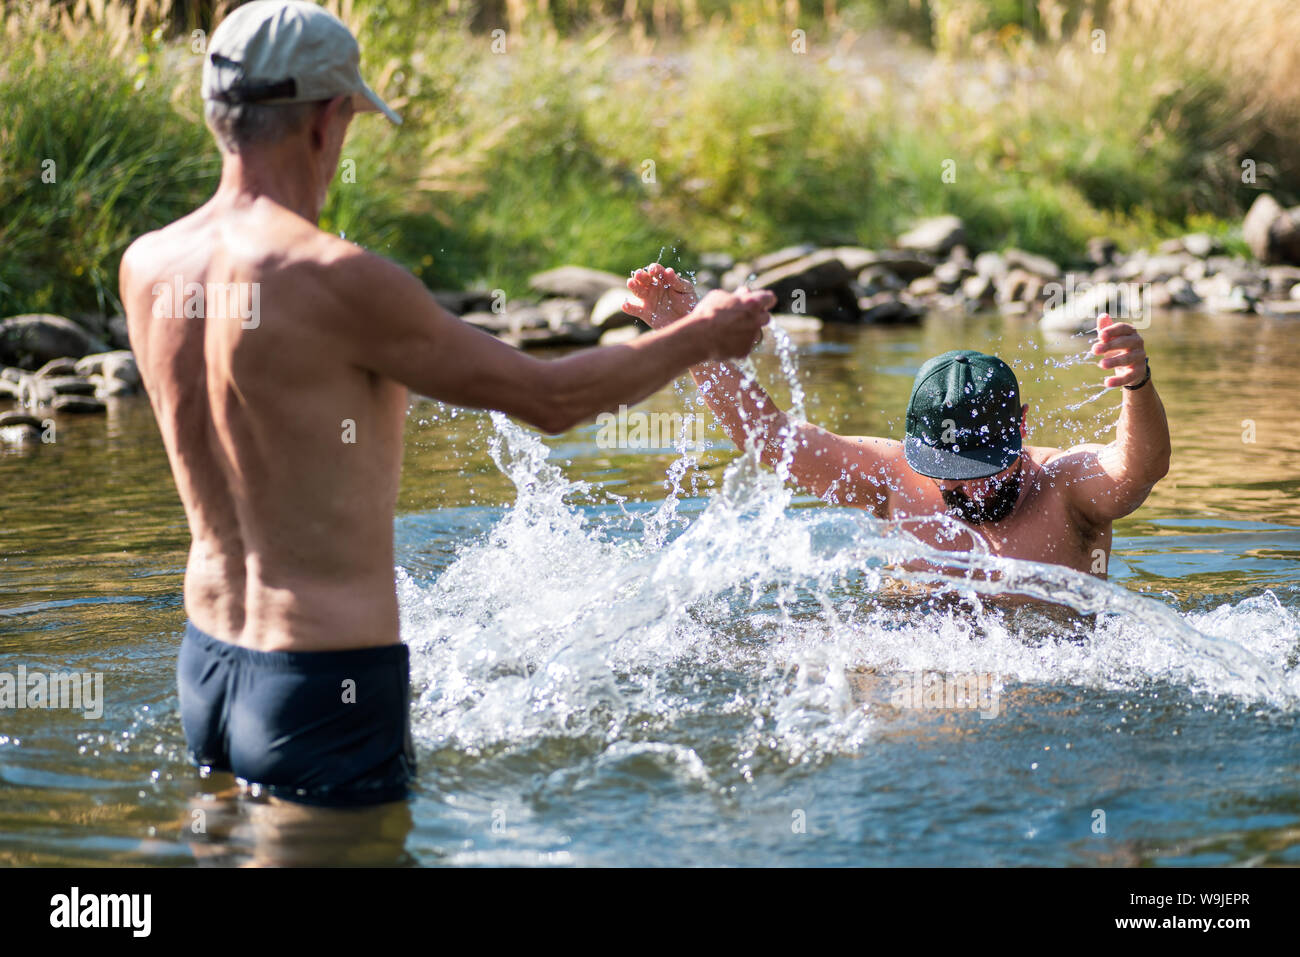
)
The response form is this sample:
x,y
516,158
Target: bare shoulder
x,y
891,448
140,258
360,278
1073,463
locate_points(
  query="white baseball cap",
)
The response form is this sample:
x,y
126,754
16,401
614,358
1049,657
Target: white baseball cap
x,y
286,51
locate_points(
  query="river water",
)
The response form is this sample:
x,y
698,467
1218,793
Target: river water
x,y
635,656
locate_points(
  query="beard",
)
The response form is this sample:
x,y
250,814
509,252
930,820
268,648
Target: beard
x,y
993,507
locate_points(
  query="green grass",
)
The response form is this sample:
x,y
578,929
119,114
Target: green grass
x,y
123,162
508,164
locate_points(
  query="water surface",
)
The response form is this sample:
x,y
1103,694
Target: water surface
x,y
637,657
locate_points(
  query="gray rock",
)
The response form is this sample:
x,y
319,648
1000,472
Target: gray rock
x,y
618,335
608,312
458,302
736,276
33,392
924,286
119,364
855,258
79,404
706,280
1163,267
1271,232
781,257
30,341
19,418
890,312
1019,285
1040,266
1181,293
815,275
1236,301
493,322
19,435
107,387
541,338
58,367
118,336
1283,308
905,265
69,385
1123,301
1282,280
566,311
949,275
990,265
1200,245
795,325
576,282
519,315
1223,285
1102,250
977,288
878,279
935,236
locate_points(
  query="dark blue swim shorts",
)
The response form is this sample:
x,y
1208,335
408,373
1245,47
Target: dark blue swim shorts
x,y
329,728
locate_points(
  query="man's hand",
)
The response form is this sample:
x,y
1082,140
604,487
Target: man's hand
x,y
659,296
732,322
1122,349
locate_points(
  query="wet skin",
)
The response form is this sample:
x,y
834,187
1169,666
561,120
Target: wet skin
x,y
284,432
1068,499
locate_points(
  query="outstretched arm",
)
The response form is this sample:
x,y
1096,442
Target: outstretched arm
x,y
841,469
1107,482
409,338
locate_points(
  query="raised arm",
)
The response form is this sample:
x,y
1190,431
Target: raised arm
x,y
840,469
406,336
1107,482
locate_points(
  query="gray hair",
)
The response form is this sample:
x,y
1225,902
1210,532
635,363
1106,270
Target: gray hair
x,y
238,126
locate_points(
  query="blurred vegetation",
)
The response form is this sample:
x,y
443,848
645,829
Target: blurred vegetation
x,y
541,132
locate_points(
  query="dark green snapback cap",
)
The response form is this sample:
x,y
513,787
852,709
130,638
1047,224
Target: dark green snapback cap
x,y
963,419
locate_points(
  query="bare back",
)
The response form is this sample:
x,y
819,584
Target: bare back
x,y
286,454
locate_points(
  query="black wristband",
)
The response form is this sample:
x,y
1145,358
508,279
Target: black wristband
x,y
1145,380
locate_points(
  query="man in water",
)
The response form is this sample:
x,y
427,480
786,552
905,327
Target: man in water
x,y
283,418
963,454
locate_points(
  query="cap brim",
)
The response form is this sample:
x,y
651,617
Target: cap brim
x,y
957,466
367,101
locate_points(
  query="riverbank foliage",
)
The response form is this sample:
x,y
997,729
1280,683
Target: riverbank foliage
x,y
614,133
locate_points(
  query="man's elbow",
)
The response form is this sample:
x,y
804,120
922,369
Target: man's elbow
x,y
554,414
555,420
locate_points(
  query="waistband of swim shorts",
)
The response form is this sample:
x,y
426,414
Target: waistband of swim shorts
x,y
300,661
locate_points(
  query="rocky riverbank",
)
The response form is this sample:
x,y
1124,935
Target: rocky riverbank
x,y
931,268
53,365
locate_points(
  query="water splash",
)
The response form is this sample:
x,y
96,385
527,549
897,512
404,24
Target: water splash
x,y
564,624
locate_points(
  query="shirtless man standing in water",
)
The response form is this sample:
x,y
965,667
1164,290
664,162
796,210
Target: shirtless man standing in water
x,y
282,418
962,454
